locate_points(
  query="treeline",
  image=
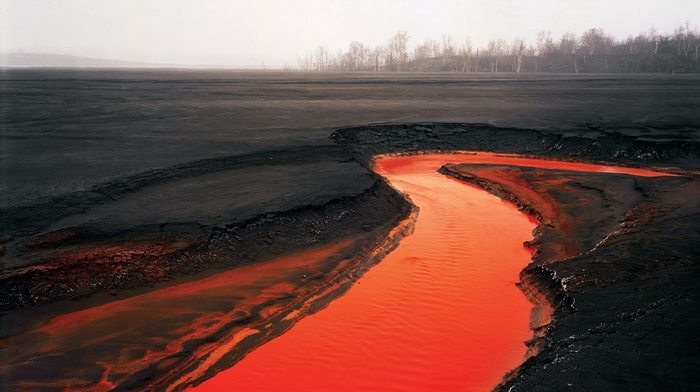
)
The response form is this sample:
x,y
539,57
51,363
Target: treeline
x,y
592,51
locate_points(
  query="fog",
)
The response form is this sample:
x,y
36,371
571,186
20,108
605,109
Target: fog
x,y
275,33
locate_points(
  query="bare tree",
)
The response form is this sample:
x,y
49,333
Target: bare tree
x,y
354,58
655,38
321,58
568,46
681,34
335,62
492,50
448,49
545,46
305,63
520,56
687,39
592,39
476,63
545,43
377,56
608,42
568,43
695,40
465,53
517,50
531,53
435,48
425,50
420,53
635,44
495,49
632,44
398,50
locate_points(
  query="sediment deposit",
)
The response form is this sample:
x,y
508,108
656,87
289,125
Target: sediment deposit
x,y
186,174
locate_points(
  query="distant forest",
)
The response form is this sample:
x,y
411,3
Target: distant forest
x,y
592,51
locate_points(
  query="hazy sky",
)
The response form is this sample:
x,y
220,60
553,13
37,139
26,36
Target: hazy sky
x,y
250,32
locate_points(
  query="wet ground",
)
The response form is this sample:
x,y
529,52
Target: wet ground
x,y
623,253
441,312
115,181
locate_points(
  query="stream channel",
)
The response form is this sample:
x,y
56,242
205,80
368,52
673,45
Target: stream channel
x,y
441,312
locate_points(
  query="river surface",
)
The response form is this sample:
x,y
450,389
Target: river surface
x,y
441,312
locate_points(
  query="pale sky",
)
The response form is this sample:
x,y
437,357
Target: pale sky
x,y
253,32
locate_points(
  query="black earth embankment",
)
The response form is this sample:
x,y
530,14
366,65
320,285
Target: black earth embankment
x,y
614,258
666,148
163,224
103,172
630,322
626,302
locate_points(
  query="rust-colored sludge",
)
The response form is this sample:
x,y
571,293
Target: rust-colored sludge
x,y
441,312
100,347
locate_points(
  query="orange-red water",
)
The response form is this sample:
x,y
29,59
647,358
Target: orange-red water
x,y
439,313
97,348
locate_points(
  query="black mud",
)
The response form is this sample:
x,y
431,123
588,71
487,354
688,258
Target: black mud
x,y
617,259
619,263
118,180
629,321
160,225
668,149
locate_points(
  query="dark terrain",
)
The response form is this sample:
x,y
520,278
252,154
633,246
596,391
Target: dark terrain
x,y
115,181
617,258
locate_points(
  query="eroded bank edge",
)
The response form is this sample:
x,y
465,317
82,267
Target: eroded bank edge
x,y
540,285
422,130
240,341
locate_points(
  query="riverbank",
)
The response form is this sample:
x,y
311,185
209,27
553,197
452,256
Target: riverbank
x,y
441,312
185,332
109,193
580,212
621,257
614,257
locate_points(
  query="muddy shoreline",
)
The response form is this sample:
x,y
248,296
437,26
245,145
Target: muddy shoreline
x,y
604,237
273,234
104,226
49,250
549,279
153,256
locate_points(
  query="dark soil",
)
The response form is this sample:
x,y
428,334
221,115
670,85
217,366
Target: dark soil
x,y
159,225
618,259
118,180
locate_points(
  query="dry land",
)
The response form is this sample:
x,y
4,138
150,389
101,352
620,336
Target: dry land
x,y
114,183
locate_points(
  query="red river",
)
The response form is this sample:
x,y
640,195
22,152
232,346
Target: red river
x,y
441,312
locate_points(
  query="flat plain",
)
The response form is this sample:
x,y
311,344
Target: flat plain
x,y
165,168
